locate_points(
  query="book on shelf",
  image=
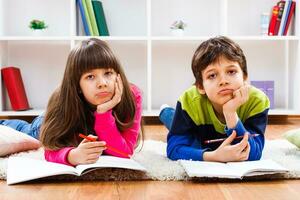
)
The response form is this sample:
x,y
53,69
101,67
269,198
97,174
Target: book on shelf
x,y
87,17
290,18
286,10
91,13
231,170
100,18
21,169
267,87
83,15
273,20
280,4
15,88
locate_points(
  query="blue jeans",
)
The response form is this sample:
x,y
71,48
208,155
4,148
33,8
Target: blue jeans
x,y
166,116
32,129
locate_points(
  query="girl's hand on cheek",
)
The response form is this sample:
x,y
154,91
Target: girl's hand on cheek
x,y
102,108
87,152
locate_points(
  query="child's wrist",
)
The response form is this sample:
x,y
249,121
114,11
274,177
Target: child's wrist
x,y
209,156
231,119
70,157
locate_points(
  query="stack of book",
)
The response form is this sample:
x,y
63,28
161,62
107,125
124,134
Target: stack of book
x,y
282,15
92,17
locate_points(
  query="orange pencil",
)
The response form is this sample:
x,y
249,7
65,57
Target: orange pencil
x,y
108,147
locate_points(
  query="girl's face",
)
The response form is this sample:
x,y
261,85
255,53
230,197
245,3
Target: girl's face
x,y
220,80
98,85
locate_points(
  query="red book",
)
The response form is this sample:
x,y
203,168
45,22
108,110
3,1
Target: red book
x,y
15,88
280,4
273,20
290,15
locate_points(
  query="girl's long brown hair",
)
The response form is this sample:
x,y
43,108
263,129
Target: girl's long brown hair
x,y
68,113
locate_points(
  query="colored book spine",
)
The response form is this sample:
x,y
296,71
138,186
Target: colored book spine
x,y
92,17
83,17
284,16
87,17
273,20
15,88
100,18
291,14
280,12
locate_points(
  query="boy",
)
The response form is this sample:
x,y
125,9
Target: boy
x,y
220,105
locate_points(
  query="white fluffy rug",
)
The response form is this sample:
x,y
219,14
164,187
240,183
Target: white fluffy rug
x,y
159,167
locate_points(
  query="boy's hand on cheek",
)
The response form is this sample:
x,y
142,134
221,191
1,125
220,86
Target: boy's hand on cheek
x,y
229,153
102,108
239,97
87,152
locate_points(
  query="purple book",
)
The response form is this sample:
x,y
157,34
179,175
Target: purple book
x,y
268,88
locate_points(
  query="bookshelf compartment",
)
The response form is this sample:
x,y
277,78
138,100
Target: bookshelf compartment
x,y
262,68
42,65
171,70
244,16
123,18
133,58
17,14
193,12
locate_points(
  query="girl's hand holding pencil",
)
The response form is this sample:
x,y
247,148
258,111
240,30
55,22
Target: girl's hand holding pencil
x,y
86,152
94,138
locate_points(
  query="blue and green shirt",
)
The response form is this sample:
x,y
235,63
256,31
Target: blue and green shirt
x,y
195,122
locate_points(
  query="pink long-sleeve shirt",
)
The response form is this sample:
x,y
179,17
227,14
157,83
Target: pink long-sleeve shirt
x,y
106,130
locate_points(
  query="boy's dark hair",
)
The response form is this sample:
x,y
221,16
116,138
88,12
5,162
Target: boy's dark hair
x,y
211,50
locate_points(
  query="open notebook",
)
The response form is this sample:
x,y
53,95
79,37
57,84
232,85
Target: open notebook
x,y
231,170
21,169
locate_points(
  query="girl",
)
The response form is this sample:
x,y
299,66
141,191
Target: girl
x,y
94,99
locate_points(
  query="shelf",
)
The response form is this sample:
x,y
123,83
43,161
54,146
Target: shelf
x,y
33,38
112,38
246,38
34,112
283,112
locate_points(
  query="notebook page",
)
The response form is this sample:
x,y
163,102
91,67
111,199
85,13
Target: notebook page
x,y
105,161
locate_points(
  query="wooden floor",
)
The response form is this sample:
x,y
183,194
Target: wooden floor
x,y
282,189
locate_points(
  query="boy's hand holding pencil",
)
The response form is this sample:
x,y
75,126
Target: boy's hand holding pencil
x,y
227,152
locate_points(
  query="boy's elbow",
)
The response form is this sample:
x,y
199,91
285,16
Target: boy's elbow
x,y
256,153
254,157
256,148
171,153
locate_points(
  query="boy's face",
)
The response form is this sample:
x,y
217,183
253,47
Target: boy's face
x,y
220,79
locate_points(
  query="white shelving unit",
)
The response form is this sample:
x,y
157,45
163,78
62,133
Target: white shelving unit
x,y
153,59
